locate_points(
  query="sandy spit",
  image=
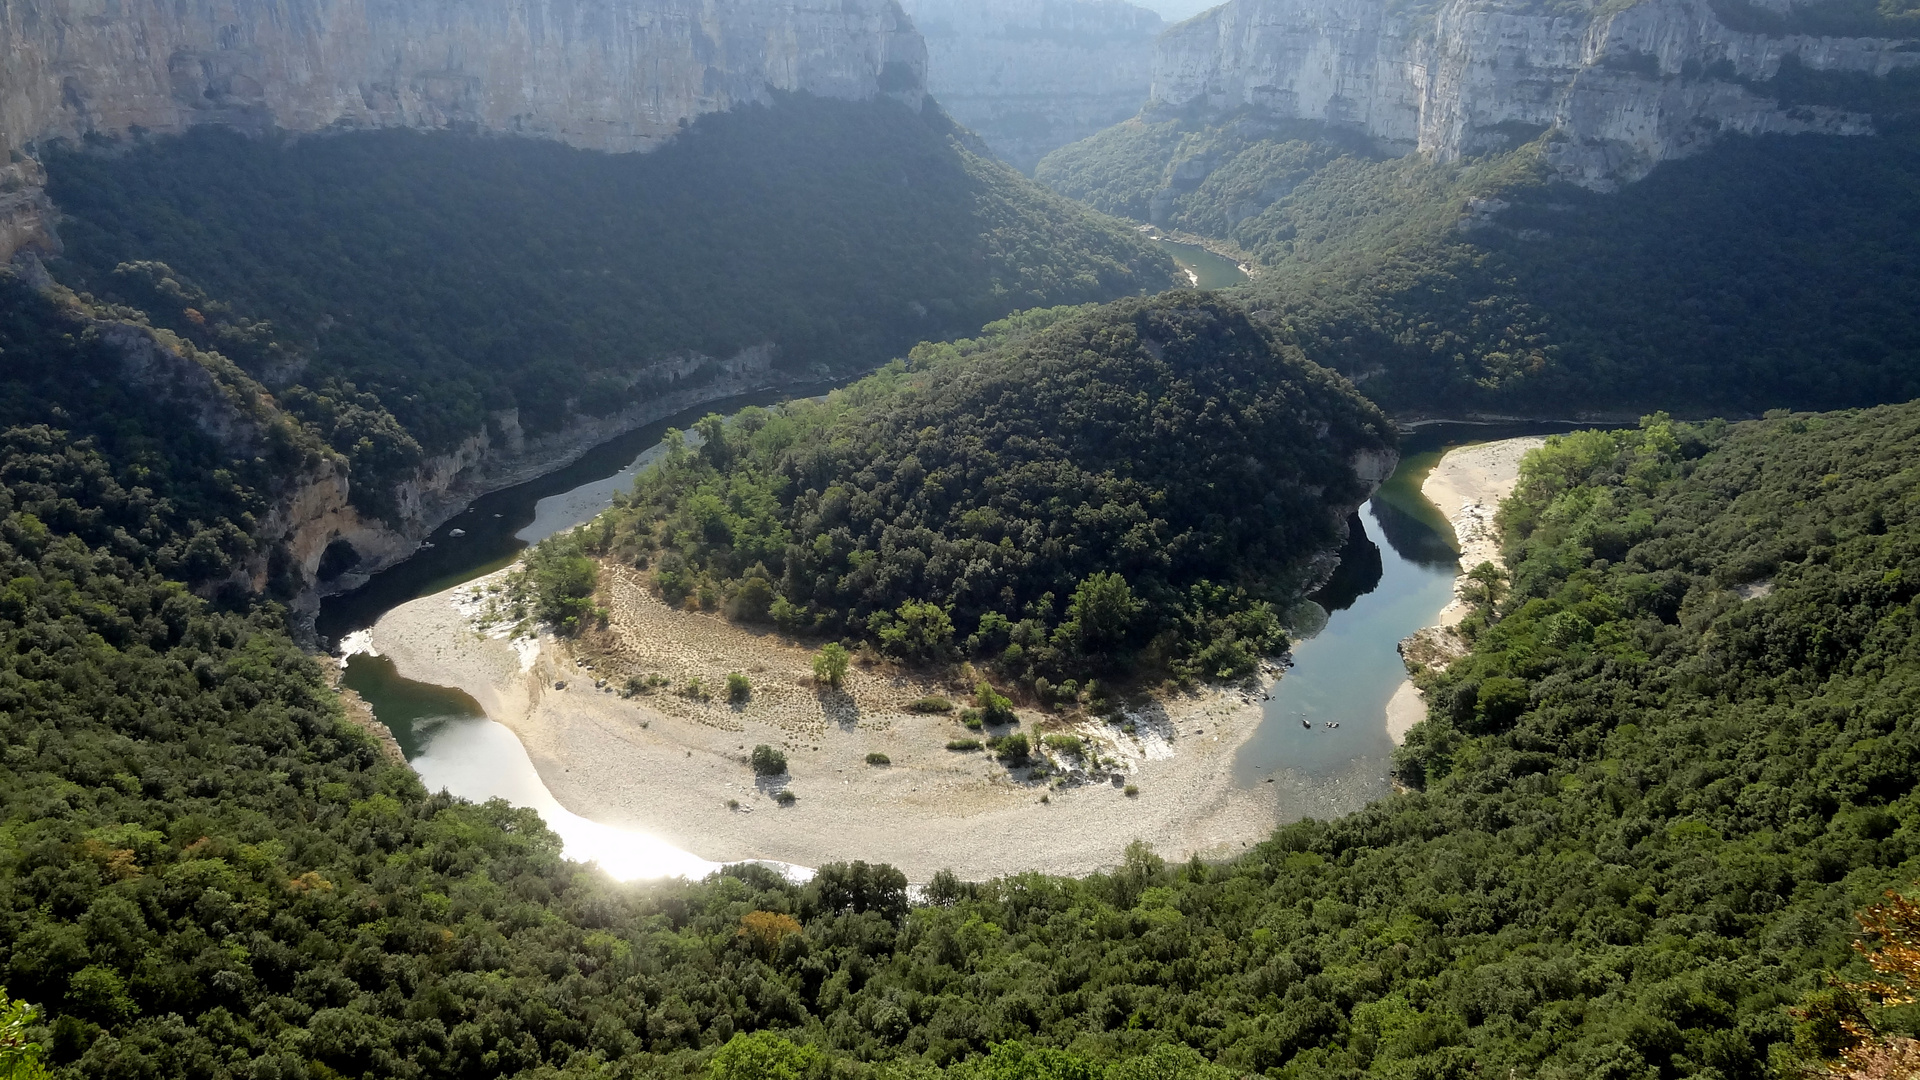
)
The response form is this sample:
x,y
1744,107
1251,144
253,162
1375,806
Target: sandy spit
x,y
1467,484
675,766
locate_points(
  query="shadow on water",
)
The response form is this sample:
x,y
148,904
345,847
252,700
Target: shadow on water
x,y
1397,572
414,711
1358,573
491,524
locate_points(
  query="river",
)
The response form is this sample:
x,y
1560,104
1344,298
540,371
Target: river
x,y
1207,270
1396,574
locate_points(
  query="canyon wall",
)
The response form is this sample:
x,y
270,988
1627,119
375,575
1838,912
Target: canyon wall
x,y
1030,76
616,75
1622,88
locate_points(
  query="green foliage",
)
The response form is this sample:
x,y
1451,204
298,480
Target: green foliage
x,y
762,1055
1013,749
410,285
994,707
20,1055
1761,272
875,757
739,688
932,703
830,664
963,744
768,761
556,584
948,504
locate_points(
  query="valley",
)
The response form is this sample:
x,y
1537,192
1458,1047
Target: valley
x,y
1024,540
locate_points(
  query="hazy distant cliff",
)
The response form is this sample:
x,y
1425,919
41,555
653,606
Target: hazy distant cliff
x,y
1033,75
1626,88
602,74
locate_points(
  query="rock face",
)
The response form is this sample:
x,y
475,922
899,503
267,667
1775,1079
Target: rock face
x,y
1031,76
1624,89
311,509
615,75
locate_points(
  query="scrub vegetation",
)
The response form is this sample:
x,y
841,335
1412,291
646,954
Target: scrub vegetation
x,y
1026,499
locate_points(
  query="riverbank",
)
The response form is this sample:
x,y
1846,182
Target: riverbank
x,y
1467,485
674,764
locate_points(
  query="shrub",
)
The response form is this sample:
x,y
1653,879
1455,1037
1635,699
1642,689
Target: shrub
x,y
1066,744
878,758
932,703
1013,749
970,718
768,761
995,708
1133,791
963,744
738,688
784,797
696,690
830,664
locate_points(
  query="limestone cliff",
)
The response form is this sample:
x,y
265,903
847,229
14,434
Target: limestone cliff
x,y
1031,76
1622,88
309,507
616,75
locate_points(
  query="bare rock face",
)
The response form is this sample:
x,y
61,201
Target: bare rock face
x,y
1030,76
1623,89
617,75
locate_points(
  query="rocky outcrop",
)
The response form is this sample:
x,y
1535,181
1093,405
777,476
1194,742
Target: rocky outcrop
x,y
617,75
1620,89
1030,76
311,508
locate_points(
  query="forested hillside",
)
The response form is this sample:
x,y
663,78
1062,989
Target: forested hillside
x,y
393,288
1031,498
1681,753
1768,272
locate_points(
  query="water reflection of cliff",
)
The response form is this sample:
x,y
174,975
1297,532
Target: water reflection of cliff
x,y
1414,540
1358,573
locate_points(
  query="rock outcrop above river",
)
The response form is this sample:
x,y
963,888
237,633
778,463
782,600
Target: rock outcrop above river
x,y
1622,89
1030,76
617,75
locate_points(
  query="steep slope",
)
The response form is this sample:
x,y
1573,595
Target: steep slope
x,y
438,306
1033,75
1679,756
1026,498
608,74
1622,87
1764,272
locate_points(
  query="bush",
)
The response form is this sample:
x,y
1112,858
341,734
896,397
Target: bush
x,y
768,761
970,719
738,688
784,797
995,708
932,703
878,758
830,664
1133,791
1071,745
963,744
1013,749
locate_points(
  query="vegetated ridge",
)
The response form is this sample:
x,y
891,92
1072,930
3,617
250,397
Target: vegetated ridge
x,y
426,302
1679,755
1133,486
1762,272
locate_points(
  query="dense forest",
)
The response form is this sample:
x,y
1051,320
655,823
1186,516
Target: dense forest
x,y
1763,272
396,288
1679,755
1073,493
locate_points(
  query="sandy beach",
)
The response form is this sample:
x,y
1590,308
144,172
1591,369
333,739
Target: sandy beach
x,y
1467,485
676,766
